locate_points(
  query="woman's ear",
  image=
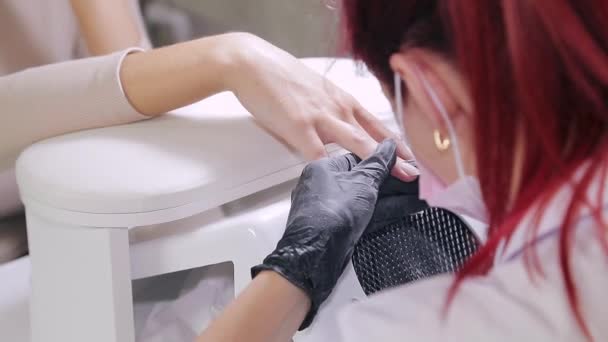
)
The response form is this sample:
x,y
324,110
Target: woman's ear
x,y
427,82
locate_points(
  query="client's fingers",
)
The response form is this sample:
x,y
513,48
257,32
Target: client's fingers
x,y
377,130
309,144
350,136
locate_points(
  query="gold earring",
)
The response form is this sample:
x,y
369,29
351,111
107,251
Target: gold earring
x,y
442,144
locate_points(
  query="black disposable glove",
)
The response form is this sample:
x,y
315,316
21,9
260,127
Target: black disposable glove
x,y
396,200
331,207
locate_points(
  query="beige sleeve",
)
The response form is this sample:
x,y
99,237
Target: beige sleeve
x,y
54,99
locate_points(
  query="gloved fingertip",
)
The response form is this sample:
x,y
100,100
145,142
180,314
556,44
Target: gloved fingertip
x,y
343,163
382,161
353,159
387,152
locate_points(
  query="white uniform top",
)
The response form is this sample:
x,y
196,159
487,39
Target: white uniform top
x,y
505,305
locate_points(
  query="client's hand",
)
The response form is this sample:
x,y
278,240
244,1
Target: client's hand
x,y
304,110
331,207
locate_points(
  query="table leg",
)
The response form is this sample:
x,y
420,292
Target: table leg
x,y
81,284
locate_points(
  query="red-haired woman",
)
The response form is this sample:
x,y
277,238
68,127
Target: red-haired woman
x,y
505,101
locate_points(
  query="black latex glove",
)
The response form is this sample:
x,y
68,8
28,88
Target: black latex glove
x,y
331,207
396,200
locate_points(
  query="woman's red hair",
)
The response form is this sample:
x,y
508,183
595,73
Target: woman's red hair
x,y
538,77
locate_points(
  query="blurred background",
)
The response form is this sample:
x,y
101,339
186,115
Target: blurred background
x,y
305,28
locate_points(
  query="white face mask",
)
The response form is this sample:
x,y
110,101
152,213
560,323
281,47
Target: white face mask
x,y
464,195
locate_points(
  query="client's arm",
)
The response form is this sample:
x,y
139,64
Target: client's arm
x,y
294,103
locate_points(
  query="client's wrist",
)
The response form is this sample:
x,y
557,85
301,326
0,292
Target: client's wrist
x,y
235,57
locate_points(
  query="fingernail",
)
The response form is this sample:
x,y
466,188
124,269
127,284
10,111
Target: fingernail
x,y
408,168
405,149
